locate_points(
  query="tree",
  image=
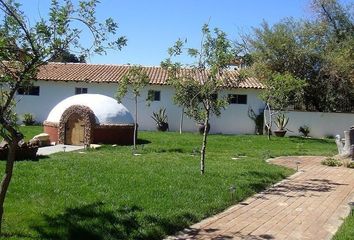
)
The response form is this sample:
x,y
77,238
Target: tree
x,y
197,85
318,51
135,80
24,48
66,56
281,91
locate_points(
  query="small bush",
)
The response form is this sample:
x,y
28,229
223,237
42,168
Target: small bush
x,y
329,136
346,162
304,130
331,162
350,165
28,119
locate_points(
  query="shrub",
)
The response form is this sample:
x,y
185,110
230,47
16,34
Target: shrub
x,y
350,165
329,136
331,162
281,121
28,119
160,118
304,130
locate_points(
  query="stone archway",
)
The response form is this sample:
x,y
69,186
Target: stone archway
x,y
80,117
74,130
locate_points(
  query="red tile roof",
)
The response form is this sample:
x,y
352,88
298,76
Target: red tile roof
x,y
101,73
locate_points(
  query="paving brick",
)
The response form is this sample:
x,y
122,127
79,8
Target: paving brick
x,y
310,204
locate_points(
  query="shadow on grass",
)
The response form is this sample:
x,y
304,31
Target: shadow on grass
x,y
95,221
36,159
142,141
5,235
42,157
262,180
169,150
297,139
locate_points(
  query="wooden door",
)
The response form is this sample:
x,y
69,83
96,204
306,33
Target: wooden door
x,y
75,130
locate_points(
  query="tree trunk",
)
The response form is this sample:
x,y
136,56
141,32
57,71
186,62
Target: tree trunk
x,y
202,151
7,177
268,124
181,122
136,120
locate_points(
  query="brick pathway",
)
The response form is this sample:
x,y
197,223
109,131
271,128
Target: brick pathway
x,y
308,205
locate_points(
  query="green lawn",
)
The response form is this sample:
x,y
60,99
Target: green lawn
x,y
30,132
346,231
111,194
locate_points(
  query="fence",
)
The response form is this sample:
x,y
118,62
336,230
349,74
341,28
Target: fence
x,y
321,124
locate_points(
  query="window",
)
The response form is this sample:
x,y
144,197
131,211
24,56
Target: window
x,y
80,90
153,95
30,90
237,99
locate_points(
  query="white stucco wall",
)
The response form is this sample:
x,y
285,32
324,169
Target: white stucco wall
x,y
321,124
234,119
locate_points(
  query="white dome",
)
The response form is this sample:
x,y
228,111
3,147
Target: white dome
x,y
106,109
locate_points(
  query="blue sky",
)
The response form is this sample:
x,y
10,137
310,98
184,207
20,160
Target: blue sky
x,y
153,26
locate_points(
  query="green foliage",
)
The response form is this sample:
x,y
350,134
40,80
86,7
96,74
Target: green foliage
x,y
65,56
304,130
350,165
282,89
109,194
160,116
197,84
24,47
281,121
331,162
317,52
346,231
329,136
28,119
135,80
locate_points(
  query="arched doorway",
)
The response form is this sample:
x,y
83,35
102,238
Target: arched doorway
x,y
75,130
75,126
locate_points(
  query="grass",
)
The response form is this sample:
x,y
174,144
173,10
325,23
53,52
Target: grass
x,y
346,231
110,194
30,131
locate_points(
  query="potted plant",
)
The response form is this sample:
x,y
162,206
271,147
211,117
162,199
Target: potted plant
x,y
281,121
160,118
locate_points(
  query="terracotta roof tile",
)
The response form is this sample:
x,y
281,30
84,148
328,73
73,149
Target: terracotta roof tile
x,y
99,73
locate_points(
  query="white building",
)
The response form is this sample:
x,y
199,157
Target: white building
x,y
57,81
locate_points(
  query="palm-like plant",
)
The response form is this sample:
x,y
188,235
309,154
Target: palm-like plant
x,y
160,117
281,121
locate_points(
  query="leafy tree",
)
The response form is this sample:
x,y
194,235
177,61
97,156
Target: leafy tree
x,y
66,56
134,81
196,85
318,52
24,48
281,91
